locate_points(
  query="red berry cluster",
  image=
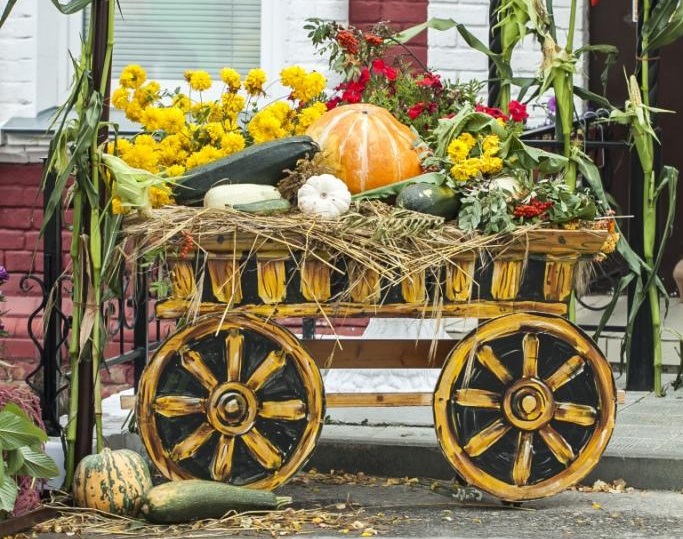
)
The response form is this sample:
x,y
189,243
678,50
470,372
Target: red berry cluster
x,y
186,245
534,208
348,41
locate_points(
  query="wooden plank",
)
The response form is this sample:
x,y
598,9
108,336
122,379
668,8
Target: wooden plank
x,y
359,400
378,353
621,396
14,525
177,308
127,402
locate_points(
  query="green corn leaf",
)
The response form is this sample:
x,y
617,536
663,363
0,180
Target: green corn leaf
x,y
6,12
621,287
587,95
665,24
72,6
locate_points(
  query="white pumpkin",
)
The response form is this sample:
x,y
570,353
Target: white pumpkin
x,y
324,195
510,184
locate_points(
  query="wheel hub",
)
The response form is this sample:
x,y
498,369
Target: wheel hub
x,y
528,404
232,408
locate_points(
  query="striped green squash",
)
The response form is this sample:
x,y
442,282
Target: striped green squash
x,y
112,481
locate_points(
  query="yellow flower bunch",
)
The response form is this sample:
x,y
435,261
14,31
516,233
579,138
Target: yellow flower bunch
x,y
182,131
474,157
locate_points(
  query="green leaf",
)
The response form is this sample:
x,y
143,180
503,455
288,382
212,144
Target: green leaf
x,y
8,493
394,189
7,11
17,430
14,460
72,6
587,95
621,287
37,464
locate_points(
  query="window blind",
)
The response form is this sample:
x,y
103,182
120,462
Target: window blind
x,y
167,37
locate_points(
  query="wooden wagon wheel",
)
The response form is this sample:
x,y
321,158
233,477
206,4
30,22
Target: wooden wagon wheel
x,y
235,400
525,406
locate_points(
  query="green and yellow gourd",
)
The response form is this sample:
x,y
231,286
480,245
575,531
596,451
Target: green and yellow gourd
x,y
112,481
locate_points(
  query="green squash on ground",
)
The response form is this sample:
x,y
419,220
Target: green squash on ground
x,y
439,200
112,481
196,499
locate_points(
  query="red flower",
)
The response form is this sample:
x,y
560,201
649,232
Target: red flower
x,y
332,103
517,111
429,80
492,111
379,67
416,110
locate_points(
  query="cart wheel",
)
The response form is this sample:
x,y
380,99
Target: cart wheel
x,y
524,406
236,400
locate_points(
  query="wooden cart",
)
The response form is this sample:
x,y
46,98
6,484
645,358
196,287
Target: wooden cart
x,y
524,406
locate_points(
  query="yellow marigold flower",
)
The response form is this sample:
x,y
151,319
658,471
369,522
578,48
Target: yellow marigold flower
x,y
120,98
142,156
206,154
254,82
466,170
117,207
119,147
468,139
264,126
216,112
215,131
458,150
292,76
233,104
232,142
160,195
187,75
309,115
490,164
280,109
174,171
151,118
182,102
172,120
147,94
501,122
132,76
200,80
146,140
312,87
134,111
491,144
231,78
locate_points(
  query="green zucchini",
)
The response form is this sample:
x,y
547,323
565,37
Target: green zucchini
x,y
195,499
439,200
265,207
261,164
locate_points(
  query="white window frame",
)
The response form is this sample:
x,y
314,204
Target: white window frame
x,y
55,89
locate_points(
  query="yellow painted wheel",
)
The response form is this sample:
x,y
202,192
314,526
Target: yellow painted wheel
x,y
525,406
236,400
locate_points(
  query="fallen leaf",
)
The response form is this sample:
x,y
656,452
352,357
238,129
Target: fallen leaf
x,y
596,505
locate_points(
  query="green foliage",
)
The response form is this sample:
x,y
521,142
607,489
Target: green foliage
x,y
21,446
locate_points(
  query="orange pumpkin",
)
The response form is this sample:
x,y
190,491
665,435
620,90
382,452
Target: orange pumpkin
x,y
366,146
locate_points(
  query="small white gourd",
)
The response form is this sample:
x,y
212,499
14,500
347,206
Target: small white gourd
x,y
324,195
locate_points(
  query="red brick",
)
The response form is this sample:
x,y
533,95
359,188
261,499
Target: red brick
x,y
24,261
109,390
19,349
28,175
23,197
17,370
12,239
18,218
13,286
361,12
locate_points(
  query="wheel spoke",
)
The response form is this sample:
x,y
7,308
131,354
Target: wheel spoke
x,y
485,438
291,410
522,468
192,363
222,460
579,414
557,444
570,369
530,347
271,365
190,445
477,398
262,450
234,343
489,360
178,405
